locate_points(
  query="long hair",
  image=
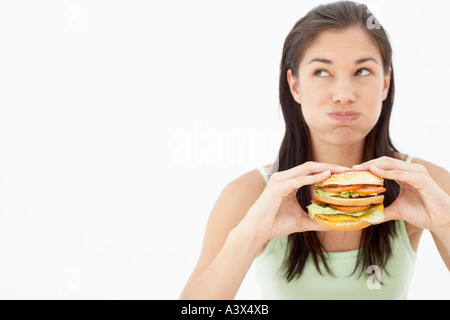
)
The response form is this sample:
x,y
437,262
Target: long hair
x,y
375,244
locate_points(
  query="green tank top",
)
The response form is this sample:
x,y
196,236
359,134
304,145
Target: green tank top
x,y
372,284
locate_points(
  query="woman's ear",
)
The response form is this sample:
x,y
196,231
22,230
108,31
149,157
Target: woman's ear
x,y
294,86
387,84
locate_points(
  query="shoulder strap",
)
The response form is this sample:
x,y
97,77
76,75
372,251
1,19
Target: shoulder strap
x,y
409,158
264,174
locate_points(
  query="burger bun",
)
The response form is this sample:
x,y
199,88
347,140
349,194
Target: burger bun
x,y
352,178
341,226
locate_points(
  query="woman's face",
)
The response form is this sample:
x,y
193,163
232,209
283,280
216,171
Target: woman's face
x,y
340,86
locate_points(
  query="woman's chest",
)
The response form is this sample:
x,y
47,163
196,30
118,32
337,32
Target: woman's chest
x,y
338,241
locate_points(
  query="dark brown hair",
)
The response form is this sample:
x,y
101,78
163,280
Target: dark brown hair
x,y
375,245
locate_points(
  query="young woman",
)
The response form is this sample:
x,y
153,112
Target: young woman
x,y
336,93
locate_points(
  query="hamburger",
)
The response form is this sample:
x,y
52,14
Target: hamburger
x,y
348,201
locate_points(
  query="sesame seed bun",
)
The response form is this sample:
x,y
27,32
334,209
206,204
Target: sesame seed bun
x,y
350,178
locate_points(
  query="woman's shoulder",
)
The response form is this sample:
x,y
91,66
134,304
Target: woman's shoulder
x,y
248,185
439,174
233,203
238,196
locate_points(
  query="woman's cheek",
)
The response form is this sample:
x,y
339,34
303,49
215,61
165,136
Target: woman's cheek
x,y
313,115
314,106
374,106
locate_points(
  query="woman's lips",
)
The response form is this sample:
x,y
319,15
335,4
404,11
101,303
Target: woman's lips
x,y
344,116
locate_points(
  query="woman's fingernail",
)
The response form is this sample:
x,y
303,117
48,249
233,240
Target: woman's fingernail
x,y
357,166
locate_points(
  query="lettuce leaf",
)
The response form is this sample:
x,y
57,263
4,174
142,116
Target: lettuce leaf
x,y
343,194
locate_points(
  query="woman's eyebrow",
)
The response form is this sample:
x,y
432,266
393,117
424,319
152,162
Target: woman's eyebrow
x,y
359,61
321,60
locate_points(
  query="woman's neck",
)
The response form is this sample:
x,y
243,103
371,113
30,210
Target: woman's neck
x,y
346,156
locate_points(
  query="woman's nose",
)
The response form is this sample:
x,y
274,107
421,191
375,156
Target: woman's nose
x,y
344,94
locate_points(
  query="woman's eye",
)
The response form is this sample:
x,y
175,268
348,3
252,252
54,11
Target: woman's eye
x,y
321,73
363,72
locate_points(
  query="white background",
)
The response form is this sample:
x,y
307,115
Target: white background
x,y
121,122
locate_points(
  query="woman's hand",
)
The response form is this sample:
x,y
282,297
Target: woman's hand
x,y
421,201
277,213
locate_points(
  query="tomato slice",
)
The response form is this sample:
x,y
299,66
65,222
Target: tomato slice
x,y
342,188
370,189
348,209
